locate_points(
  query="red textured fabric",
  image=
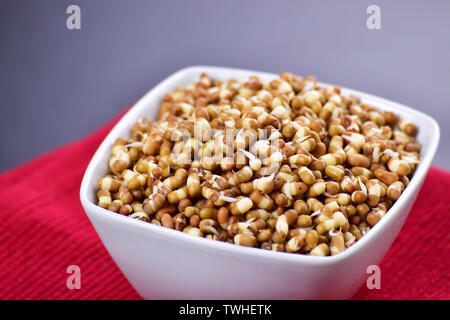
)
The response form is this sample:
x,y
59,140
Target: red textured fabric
x,y
43,230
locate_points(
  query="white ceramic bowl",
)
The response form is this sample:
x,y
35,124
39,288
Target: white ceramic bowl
x,y
166,264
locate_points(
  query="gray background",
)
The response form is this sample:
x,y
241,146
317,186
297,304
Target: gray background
x,y
57,85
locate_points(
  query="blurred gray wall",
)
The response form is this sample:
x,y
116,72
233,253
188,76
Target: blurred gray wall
x,y
57,85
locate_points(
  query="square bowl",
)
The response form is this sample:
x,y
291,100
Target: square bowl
x,y
162,263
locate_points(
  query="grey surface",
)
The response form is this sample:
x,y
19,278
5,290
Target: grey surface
x,y
57,85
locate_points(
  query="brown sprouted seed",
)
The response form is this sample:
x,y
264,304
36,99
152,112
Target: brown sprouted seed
x,y
285,166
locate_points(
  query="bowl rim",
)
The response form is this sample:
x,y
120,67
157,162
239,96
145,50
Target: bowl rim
x,y
377,102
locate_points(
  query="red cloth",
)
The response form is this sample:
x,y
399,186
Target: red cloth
x,y
43,230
